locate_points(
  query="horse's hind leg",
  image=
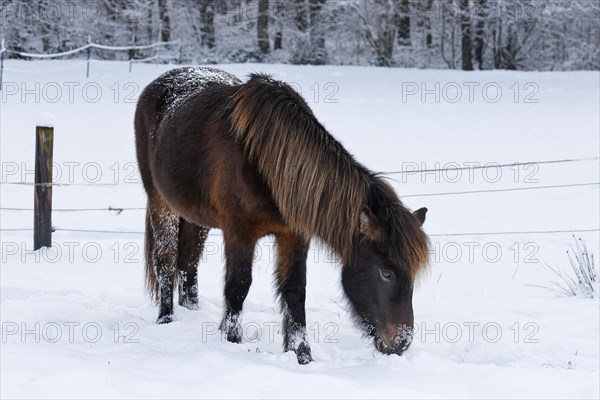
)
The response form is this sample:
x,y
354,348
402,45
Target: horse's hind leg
x,y
290,274
164,226
239,251
189,250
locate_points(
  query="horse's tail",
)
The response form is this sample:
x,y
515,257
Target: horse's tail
x,y
151,278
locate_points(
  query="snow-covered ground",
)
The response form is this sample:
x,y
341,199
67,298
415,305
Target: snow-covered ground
x,y
76,322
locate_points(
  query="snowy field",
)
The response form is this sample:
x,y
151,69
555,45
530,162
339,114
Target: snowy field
x,y
76,322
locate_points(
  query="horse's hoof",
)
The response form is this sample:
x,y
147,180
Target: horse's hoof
x,y
231,328
165,319
233,337
231,333
303,354
304,359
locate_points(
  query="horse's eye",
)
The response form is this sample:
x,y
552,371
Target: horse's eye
x,y
386,274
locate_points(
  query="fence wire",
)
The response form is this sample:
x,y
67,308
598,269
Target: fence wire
x,y
89,46
533,232
119,210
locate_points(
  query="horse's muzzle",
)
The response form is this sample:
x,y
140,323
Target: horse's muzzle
x,y
395,342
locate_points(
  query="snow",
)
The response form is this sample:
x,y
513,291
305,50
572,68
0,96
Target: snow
x,y
191,80
77,323
46,119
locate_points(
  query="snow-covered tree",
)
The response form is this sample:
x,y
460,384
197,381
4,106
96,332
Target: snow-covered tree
x,y
466,34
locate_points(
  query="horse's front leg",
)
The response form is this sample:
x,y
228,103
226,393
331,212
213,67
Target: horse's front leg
x,y
292,251
239,251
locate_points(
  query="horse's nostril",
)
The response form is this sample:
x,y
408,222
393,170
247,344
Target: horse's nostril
x,y
396,344
395,347
382,346
403,345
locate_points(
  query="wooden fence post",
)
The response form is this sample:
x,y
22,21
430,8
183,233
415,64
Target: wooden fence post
x,y
42,218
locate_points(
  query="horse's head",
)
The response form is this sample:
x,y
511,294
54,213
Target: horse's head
x,y
379,283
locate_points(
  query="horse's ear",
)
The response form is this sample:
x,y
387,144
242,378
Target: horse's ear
x,y
420,215
370,226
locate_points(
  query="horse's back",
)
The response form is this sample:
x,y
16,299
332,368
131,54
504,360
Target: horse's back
x,y
160,98
190,160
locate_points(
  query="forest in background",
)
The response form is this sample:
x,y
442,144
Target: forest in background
x,y
455,34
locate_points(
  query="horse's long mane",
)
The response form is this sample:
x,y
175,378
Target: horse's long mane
x,y
319,187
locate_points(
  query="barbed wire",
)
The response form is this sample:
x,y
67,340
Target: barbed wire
x,y
491,165
515,232
502,190
534,232
416,171
46,184
119,210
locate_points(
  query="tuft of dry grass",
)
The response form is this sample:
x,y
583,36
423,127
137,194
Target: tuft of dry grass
x,y
582,279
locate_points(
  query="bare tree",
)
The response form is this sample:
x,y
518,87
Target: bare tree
x,y
317,34
262,26
402,21
376,18
207,23
301,18
449,21
467,34
466,44
479,41
165,21
278,22
428,33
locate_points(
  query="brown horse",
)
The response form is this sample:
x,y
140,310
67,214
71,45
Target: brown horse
x,y
252,159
